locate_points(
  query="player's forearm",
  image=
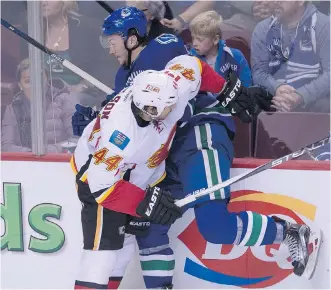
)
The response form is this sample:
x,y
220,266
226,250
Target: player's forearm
x,y
211,81
122,197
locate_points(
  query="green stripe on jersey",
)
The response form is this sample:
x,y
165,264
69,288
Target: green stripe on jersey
x,y
256,229
157,265
211,158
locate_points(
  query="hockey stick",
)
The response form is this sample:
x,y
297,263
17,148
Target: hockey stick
x,y
269,165
60,59
105,6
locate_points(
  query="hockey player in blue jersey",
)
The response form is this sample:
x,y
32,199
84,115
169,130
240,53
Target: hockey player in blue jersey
x,y
200,157
137,56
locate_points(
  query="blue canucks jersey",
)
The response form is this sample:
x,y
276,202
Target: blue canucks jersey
x,y
154,56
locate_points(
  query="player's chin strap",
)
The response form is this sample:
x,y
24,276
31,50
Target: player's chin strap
x,y
193,197
140,40
128,65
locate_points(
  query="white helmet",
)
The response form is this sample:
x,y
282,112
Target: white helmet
x,y
156,89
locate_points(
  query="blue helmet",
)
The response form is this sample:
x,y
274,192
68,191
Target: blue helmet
x,y
123,19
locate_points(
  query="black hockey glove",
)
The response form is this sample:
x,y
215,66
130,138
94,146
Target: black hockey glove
x,y
81,118
244,102
159,207
137,226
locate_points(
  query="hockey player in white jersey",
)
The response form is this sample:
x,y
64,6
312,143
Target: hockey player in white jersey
x,y
120,158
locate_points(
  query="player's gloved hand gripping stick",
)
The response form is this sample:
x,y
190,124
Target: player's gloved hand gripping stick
x,y
158,206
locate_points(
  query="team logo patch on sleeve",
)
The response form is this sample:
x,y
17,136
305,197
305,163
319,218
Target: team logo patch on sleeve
x,y
119,139
176,66
188,73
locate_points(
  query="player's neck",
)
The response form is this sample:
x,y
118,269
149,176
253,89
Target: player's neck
x,y
136,52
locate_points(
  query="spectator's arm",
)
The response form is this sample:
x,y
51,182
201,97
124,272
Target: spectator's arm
x,y
319,87
10,134
260,60
182,21
195,9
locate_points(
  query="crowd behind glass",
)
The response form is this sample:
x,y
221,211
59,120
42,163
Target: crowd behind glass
x,y
291,61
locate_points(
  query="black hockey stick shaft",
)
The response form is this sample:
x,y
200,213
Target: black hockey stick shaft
x,y
57,57
269,165
286,158
105,6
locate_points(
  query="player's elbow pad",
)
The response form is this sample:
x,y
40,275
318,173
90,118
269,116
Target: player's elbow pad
x,y
122,197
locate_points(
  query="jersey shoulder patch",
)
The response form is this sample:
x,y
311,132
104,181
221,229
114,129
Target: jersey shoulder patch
x,y
119,139
116,127
166,38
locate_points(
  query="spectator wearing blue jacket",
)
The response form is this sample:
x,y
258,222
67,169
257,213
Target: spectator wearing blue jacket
x,y
209,46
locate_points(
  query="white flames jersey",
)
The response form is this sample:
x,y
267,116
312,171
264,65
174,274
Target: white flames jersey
x,y
118,143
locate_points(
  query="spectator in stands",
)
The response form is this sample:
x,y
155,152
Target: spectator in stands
x,y
209,46
263,9
245,16
154,12
181,22
76,38
16,126
323,6
291,57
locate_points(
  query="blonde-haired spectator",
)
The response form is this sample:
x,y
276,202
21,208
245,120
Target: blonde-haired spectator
x,y
209,46
207,24
16,126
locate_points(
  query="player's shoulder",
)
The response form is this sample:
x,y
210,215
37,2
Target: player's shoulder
x,y
118,106
117,123
118,135
166,41
160,50
183,61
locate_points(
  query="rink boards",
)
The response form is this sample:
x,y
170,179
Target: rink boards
x,y
41,231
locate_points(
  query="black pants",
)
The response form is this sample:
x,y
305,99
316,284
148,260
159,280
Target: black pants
x,y
103,229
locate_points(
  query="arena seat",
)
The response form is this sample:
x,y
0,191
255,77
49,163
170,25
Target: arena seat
x,y
243,139
278,134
